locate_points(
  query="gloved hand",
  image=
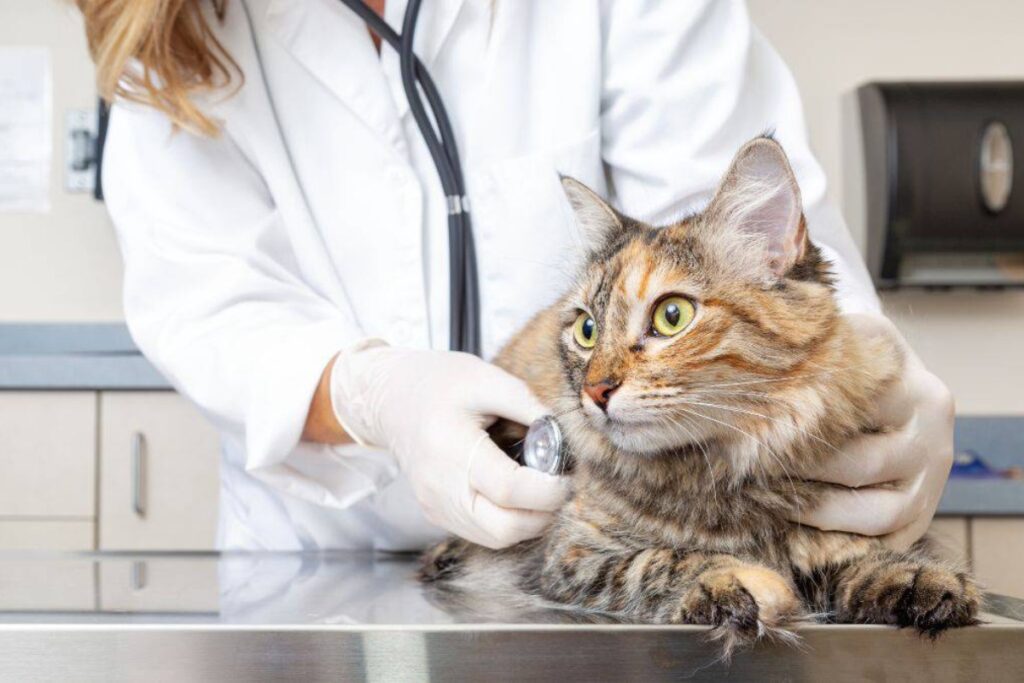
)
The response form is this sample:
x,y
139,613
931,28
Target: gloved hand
x,y
430,409
897,476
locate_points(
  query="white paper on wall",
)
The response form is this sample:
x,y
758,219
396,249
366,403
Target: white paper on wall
x,y
26,145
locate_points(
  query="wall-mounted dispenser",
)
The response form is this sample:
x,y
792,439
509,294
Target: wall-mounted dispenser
x,y
944,183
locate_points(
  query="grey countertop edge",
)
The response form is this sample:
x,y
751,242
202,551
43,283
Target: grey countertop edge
x,y
982,498
92,372
73,356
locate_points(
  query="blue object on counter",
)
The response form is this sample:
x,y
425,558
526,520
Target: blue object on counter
x,y
969,464
975,493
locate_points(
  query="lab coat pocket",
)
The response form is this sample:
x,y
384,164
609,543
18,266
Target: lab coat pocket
x,y
528,245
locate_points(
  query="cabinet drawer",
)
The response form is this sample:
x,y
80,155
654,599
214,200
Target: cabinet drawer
x,y
159,466
997,545
48,454
162,584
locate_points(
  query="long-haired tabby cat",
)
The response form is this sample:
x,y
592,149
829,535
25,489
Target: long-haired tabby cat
x,y
694,369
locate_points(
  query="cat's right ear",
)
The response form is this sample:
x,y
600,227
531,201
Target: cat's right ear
x,y
759,198
597,219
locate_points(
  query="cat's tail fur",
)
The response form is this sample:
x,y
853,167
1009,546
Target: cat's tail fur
x,y
499,585
506,579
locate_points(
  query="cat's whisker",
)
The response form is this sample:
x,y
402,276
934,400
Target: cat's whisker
x,y
771,452
784,423
563,413
687,395
755,396
707,459
788,378
689,391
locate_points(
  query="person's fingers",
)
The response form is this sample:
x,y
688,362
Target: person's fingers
x,y
496,392
869,460
510,485
869,512
502,527
894,406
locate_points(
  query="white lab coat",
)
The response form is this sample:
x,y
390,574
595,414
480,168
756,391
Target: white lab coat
x,y
316,219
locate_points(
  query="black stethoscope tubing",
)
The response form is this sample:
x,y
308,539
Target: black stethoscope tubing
x,y
464,326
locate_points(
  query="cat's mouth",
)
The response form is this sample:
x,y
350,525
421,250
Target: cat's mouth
x,y
641,434
643,437
637,428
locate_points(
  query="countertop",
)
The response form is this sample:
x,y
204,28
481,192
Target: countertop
x,y
339,616
84,356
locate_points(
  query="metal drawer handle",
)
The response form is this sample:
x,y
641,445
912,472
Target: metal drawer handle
x,y
138,576
139,474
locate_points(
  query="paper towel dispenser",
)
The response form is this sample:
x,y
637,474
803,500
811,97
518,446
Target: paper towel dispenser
x,y
944,191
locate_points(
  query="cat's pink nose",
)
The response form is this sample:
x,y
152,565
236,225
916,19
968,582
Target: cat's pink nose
x,y
601,392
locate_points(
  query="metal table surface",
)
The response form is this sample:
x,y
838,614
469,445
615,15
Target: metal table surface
x,y
340,616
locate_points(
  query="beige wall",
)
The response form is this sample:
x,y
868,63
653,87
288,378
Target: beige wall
x,y
972,340
62,265
65,265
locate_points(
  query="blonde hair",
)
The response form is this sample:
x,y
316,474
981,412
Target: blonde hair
x,y
176,55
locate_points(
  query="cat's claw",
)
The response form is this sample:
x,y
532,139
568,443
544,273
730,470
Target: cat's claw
x,y
929,598
743,604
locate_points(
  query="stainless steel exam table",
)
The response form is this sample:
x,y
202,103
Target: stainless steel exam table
x,y
281,616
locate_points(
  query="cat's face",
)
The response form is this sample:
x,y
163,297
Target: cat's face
x,y
689,333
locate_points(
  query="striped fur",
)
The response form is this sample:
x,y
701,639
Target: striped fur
x,y
684,490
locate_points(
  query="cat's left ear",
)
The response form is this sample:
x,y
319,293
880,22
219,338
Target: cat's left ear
x,y
759,197
598,220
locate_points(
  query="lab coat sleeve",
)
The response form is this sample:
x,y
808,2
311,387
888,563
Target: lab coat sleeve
x,y
685,85
214,297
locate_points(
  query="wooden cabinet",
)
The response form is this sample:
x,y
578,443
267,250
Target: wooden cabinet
x,y
159,464
151,456
992,547
997,550
48,454
48,466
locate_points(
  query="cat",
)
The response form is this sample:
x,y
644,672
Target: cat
x,y
694,369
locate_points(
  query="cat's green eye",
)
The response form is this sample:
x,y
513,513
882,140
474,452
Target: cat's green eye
x,y
584,330
672,315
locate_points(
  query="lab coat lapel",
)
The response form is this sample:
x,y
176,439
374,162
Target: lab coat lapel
x,y
333,44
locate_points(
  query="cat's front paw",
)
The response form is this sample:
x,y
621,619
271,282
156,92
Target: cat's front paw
x,y
743,603
925,595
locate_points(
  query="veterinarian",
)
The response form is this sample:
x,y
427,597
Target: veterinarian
x,y
285,242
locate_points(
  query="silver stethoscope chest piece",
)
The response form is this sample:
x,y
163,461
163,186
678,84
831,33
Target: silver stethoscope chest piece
x,y
542,449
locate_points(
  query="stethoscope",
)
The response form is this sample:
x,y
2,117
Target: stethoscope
x,y
542,448
464,328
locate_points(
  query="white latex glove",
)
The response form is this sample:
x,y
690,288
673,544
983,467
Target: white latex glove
x,y
896,477
430,409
